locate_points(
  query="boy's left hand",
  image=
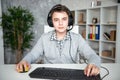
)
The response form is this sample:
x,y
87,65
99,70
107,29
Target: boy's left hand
x,y
91,70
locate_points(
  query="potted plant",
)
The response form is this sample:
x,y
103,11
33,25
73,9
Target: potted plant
x,y
17,30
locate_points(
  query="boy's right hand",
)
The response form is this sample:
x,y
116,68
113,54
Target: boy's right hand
x,y
21,65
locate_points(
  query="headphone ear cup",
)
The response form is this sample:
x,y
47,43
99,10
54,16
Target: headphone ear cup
x,y
49,21
71,20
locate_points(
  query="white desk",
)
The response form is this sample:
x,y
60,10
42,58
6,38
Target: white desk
x,y
8,72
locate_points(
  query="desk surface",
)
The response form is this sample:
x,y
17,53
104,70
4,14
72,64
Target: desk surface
x,y
8,72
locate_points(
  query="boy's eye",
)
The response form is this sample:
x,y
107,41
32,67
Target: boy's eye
x,y
64,18
55,19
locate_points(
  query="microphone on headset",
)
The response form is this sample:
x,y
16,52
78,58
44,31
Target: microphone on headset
x,y
69,28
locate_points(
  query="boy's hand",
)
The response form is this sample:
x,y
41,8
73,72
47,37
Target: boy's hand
x,y
22,66
91,70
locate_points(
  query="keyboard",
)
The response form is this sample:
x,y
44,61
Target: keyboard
x,y
61,74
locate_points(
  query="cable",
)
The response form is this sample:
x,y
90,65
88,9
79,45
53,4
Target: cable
x,y
85,61
70,49
101,67
105,74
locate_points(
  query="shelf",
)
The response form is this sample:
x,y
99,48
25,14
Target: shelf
x,y
93,40
93,13
109,14
82,24
81,17
107,22
93,24
107,58
106,41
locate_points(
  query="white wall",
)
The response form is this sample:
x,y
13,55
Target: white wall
x,y
1,47
81,4
118,37
1,41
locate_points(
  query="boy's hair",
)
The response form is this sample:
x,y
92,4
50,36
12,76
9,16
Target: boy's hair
x,y
60,8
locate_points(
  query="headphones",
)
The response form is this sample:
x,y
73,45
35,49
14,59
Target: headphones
x,y
59,8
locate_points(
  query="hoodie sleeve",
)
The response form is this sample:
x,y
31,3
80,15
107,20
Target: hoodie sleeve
x,y
88,53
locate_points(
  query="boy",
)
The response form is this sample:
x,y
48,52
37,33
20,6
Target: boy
x,y
61,45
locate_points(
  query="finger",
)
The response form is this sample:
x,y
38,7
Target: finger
x,y
21,68
17,67
88,70
85,71
95,71
26,66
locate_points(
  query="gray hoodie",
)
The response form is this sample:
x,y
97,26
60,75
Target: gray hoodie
x,y
73,48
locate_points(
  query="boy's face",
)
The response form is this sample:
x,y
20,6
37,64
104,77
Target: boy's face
x,y
60,21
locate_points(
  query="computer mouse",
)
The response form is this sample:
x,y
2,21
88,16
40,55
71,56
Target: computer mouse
x,y
25,69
